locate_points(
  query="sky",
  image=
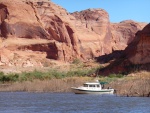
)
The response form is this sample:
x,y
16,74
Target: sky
x,y
119,10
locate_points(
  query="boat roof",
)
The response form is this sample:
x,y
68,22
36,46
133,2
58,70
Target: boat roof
x,y
92,83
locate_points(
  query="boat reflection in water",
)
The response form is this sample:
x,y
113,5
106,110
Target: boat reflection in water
x,y
92,88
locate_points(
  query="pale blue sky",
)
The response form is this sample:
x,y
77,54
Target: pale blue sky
x,y
119,10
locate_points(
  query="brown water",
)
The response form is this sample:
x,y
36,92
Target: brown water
x,y
23,102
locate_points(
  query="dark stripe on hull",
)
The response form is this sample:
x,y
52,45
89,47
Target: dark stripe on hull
x,y
80,91
93,91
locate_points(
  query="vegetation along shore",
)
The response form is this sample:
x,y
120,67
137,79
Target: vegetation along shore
x,y
137,84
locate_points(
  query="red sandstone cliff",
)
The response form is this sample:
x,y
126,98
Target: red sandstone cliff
x,y
34,30
135,57
138,51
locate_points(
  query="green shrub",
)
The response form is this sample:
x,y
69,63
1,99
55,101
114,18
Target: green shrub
x,y
115,75
56,74
36,74
52,73
12,77
24,76
9,77
76,61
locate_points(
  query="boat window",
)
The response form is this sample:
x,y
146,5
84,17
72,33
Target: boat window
x,y
85,85
98,86
91,85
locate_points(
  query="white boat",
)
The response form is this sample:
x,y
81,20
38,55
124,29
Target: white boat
x,y
92,88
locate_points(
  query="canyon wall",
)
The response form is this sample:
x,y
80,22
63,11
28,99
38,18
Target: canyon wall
x,y
32,31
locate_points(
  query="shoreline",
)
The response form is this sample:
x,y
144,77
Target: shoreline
x,y
126,87
53,85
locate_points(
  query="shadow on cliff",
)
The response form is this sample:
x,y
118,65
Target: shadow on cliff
x,y
109,57
116,61
123,66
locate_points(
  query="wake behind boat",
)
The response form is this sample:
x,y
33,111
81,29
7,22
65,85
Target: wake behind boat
x,y
92,88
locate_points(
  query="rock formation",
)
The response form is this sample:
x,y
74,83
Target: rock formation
x,y
135,57
44,30
124,32
36,28
101,36
140,47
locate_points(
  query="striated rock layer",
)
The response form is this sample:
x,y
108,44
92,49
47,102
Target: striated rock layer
x,y
44,30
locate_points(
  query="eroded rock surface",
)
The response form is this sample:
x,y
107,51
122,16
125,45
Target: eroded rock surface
x,y
42,27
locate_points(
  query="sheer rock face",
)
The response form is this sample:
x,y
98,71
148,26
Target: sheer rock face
x,y
124,32
135,57
37,21
57,22
138,51
93,29
19,20
99,37
42,27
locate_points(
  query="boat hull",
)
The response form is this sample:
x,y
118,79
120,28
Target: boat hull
x,y
83,91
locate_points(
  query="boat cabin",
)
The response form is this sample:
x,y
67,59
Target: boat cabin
x,y
92,85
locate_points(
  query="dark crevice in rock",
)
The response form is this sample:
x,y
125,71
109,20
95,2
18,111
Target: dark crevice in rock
x,y
3,15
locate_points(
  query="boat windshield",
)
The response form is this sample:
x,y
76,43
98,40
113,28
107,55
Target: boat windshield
x,y
91,85
85,85
98,86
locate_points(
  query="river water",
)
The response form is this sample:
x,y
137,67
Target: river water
x,y
24,102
